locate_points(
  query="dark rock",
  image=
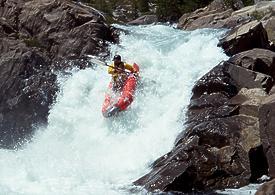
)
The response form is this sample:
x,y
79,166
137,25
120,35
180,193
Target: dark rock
x,y
249,36
37,38
267,125
207,158
259,60
216,80
27,92
195,165
146,19
249,79
220,146
258,163
211,100
204,114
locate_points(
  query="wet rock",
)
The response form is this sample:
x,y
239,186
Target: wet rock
x,y
216,80
211,100
220,146
203,161
37,38
267,189
204,114
146,19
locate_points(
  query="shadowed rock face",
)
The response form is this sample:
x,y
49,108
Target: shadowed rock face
x,y
267,123
36,38
220,146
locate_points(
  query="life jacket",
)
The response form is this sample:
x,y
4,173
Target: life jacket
x,y
119,77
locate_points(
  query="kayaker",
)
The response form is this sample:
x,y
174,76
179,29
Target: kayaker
x,y
117,70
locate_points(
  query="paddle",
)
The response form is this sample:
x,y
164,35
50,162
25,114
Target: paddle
x,y
96,61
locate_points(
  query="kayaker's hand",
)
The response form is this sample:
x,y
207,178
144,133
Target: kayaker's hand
x,y
135,73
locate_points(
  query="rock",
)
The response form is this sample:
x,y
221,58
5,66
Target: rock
x,y
267,123
250,79
249,36
259,60
269,26
216,15
220,146
146,19
229,116
199,115
267,188
205,160
258,11
248,101
222,14
216,80
38,37
211,100
205,17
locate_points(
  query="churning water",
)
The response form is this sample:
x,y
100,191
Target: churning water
x,y
80,151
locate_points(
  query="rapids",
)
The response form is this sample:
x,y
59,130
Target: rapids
x,y
80,151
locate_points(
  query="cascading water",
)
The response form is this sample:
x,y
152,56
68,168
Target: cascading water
x,y
80,151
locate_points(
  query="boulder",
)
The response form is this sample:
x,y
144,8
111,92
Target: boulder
x,y
220,146
250,79
269,26
227,14
258,11
205,17
249,36
248,101
37,38
216,15
267,188
216,80
259,60
146,19
214,155
267,125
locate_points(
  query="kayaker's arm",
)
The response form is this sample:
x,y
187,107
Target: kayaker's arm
x,y
129,67
111,70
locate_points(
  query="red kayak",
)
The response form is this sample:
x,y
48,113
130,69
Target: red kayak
x,y
113,105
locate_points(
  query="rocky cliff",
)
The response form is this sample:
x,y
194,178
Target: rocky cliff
x,y
38,38
227,139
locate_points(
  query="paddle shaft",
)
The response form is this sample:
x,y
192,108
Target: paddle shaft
x,y
116,68
105,64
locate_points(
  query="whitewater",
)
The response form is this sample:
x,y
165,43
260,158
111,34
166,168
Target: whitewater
x,y
80,152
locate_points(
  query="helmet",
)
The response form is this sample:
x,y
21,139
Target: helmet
x,y
117,57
